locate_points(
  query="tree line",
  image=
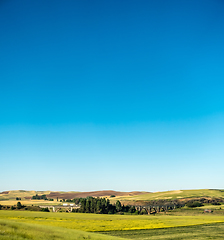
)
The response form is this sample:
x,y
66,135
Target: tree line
x,y
41,197
101,206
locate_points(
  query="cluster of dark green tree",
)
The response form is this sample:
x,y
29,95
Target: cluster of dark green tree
x,y
201,201
45,209
162,202
18,206
21,207
75,200
102,206
193,204
39,197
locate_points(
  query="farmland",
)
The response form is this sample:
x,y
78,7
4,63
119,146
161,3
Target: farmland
x,y
177,194
9,197
199,232
117,225
180,223
106,222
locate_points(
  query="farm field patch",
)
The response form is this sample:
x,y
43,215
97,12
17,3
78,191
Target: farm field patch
x,y
213,207
199,232
98,222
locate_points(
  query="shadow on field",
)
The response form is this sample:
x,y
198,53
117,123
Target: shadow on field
x,y
206,231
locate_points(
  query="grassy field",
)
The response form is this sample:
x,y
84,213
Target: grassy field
x,y
10,230
199,232
97,222
20,231
10,198
213,207
178,194
21,194
30,202
47,225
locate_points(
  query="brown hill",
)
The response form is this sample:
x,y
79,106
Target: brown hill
x,y
106,193
5,192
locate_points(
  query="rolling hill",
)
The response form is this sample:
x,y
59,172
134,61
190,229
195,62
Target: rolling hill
x,y
9,197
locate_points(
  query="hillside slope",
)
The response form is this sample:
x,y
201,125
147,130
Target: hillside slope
x,y
177,194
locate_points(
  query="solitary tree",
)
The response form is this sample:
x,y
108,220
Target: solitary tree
x,y
19,205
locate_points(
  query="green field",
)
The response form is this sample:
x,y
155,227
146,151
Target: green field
x,y
12,230
23,224
20,231
200,232
106,222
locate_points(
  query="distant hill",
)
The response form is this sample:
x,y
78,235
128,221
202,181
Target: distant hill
x,y
9,197
27,195
105,193
177,194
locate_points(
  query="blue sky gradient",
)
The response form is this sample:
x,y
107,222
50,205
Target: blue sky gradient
x,y
123,95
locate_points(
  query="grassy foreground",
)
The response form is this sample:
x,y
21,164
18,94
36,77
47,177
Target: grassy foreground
x,y
20,231
22,225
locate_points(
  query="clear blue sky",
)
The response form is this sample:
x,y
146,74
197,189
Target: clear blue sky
x,y
123,95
